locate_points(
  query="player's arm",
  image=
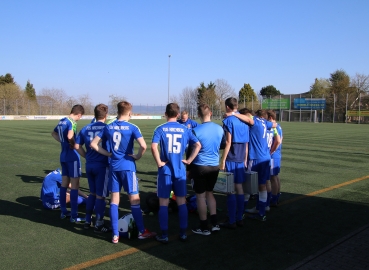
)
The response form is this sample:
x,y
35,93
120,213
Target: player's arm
x,y
226,150
244,118
195,150
70,137
276,142
156,155
141,150
80,150
247,153
55,135
95,145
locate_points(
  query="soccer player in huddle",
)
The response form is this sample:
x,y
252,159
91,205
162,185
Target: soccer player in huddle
x,y
172,137
205,169
65,133
234,160
259,156
275,162
120,136
186,121
97,169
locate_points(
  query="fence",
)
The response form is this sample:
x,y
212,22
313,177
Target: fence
x,y
335,108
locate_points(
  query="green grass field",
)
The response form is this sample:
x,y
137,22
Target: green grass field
x,y
317,158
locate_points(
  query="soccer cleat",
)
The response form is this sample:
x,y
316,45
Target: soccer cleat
x,y
64,215
252,210
162,239
115,239
239,223
215,228
87,225
77,220
101,229
199,231
183,238
146,234
228,225
257,217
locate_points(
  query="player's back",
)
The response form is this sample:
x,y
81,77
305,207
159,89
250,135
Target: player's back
x,y
210,136
172,138
120,136
278,151
67,153
258,145
51,185
86,135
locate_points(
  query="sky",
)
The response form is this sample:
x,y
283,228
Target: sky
x,y
122,48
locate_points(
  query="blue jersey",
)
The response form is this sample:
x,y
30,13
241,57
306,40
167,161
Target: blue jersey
x,y
173,138
64,126
120,137
278,152
189,123
51,187
85,136
240,136
210,136
258,145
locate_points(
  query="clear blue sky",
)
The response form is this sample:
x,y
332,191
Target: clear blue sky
x,y
122,47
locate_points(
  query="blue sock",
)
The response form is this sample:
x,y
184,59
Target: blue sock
x,y
273,199
100,209
63,199
90,204
240,199
137,215
114,218
74,203
183,218
269,195
81,200
231,205
163,220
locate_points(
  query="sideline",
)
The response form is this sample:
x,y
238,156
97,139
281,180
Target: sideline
x,y
130,251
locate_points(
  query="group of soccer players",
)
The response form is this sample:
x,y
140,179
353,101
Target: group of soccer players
x,y
110,164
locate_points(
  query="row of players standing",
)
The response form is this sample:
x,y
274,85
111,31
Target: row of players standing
x,y
116,141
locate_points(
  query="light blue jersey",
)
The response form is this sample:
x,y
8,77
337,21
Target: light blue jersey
x,y
210,136
173,138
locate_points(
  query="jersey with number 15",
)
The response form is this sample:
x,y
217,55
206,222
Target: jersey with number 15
x,y
173,138
120,137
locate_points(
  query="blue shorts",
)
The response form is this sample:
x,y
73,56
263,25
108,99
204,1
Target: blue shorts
x,y
275,166
167,183
125,179
238,169
71,169
262,167
98,179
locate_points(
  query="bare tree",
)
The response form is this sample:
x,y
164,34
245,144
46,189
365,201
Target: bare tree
x,y
114,99
86,102
223,90
188,99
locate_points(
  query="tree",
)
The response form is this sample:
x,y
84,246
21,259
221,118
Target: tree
x,y
30,91
320,87
86,102
8,78
247,94
206,94
269,91
360,84
54,101
188,99
12,96
223,91
114,99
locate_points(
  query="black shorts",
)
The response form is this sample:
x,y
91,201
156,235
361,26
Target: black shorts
x,y
204,177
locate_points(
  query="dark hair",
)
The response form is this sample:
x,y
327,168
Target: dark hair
x,y
77,109
261,113
271,114
231,103
100,111
203,110
246,111
172,110
124,107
